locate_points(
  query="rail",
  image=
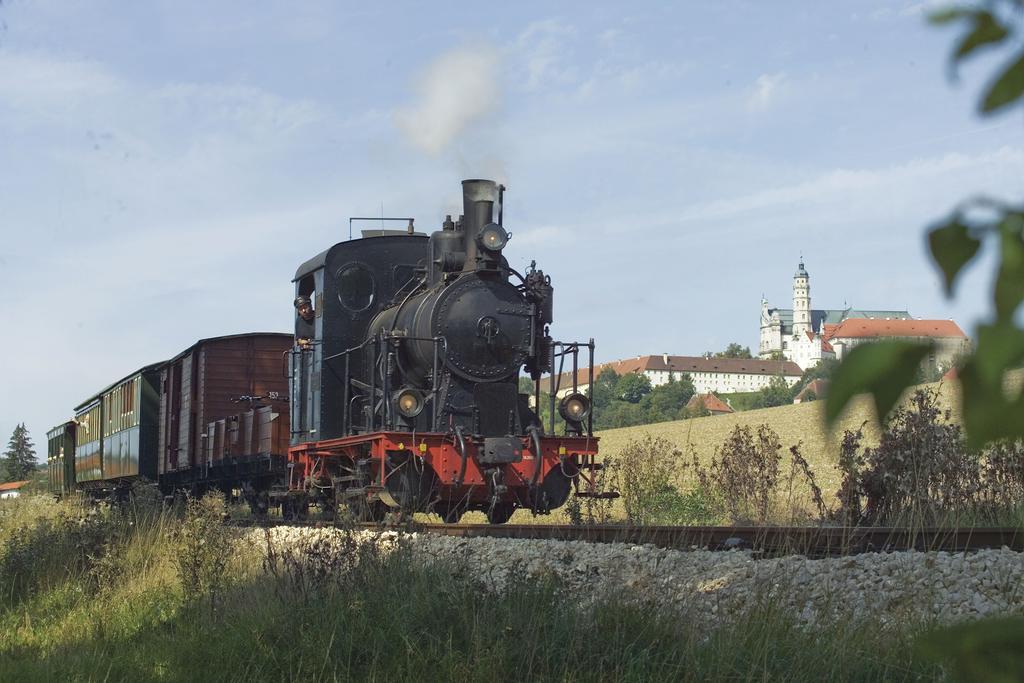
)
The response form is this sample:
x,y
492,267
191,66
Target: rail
x,y
766,541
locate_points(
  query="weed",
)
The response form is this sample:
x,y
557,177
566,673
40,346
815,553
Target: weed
x,y
590,510
202,547
922,473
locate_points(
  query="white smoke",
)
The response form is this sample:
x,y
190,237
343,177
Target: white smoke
x,y
457,89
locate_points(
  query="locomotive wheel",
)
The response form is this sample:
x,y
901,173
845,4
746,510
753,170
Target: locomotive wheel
x,y
500,513
362,510
553,491
411,489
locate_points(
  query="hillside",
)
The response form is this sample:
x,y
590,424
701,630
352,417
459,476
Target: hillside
x,y
801,423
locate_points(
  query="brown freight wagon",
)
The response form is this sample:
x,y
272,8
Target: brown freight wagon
x,y
211,381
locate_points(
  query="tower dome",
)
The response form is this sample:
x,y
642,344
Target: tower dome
x,y
800,270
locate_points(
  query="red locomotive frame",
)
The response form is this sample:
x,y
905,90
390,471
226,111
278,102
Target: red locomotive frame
x,y
458,477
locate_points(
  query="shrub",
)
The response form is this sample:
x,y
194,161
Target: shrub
x,y
46,552
202,546
646,476
745,473
923,473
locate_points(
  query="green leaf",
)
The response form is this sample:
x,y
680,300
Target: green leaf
x,y
1007,88
988,413
999,348
952,248
987,30
949,14
1009,289
883,369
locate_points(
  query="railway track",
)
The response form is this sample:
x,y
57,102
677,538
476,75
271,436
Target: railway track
x,y
770,541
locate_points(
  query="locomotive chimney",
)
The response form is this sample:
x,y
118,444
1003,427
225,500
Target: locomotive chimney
x,y
478,199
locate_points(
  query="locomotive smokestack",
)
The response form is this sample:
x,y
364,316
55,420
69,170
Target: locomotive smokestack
x,y
478,200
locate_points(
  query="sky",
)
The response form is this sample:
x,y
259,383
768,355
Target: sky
x,y
165,166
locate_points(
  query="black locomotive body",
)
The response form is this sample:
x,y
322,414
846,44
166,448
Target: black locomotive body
x,y
400,334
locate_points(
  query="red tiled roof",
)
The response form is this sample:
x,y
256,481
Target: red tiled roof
x,y
12,485
830,329
874,327
825,346
711,402
819,386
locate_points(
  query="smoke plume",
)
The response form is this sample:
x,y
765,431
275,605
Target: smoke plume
x,y
457,89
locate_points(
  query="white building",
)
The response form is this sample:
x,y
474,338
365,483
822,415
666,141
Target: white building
x,y
947,339
807,335
11,489
718,375
802,334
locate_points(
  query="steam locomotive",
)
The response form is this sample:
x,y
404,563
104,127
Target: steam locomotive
x,y
403,379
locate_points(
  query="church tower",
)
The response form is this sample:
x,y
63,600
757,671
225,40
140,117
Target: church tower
x,y
801,301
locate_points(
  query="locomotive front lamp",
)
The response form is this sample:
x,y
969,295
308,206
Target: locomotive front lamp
x,y
492,237
574,408
409,402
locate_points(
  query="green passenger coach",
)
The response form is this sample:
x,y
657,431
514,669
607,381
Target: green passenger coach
x,y
60,458
116,431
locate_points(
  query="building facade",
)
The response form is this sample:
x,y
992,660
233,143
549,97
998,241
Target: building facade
x,y
802,333
808,335
947,340
717,375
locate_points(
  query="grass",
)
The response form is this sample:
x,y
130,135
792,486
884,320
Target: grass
x,y
379,617
740,401
800,423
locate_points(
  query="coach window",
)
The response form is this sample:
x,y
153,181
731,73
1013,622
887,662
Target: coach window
x,y
356,287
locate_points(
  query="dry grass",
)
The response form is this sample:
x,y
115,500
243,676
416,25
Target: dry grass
x,y
801,423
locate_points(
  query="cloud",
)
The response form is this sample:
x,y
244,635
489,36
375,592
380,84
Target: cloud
x,y
766,91
455,91
542,47
857,185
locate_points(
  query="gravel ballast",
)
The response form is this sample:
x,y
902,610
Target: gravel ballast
x,y
888,588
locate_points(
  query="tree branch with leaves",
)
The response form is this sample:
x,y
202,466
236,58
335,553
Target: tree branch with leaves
x,y
885,369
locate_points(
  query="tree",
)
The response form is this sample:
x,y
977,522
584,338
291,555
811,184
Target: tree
x,y
632,387
777,393
823,370
604,388
668,401
886,369
19,460
734,350
776,355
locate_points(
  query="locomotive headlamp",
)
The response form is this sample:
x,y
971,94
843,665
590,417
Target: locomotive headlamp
x,y
492,237
409,402
574,408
